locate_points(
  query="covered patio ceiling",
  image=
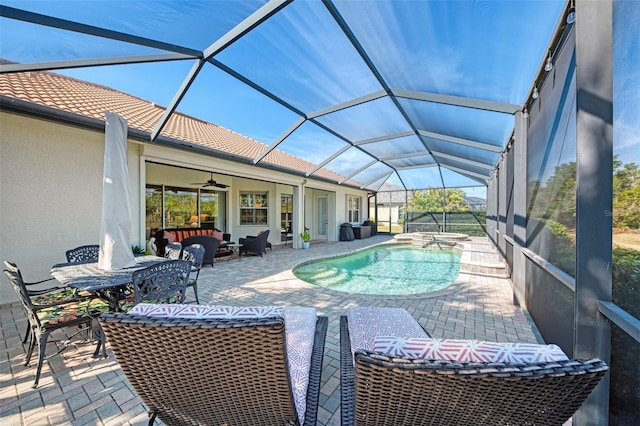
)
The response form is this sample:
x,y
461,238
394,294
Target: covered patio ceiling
x,y
418,94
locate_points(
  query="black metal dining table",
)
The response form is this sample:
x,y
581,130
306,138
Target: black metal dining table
x,y
109,285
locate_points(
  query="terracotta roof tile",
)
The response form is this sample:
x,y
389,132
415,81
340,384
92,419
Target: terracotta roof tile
x,y
92,100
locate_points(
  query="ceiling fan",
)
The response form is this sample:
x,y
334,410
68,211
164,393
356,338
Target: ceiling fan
x,y
211,182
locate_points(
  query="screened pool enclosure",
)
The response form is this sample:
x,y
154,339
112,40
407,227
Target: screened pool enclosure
x,y
511,103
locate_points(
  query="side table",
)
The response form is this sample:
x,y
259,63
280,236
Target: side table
x,y
234,250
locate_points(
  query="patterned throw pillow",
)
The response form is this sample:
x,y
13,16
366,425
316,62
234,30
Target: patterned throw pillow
x,y
365,323
468,350
169,236
299,325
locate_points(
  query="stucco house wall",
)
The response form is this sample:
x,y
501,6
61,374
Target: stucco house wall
x,y
51,191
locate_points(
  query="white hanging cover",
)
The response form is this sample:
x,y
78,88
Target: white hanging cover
x,y
115,230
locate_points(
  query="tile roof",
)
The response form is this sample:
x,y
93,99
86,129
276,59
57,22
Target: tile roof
x,y
92,100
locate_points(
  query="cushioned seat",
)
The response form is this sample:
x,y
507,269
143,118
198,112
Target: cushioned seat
x,y
237,365
178,235
396,378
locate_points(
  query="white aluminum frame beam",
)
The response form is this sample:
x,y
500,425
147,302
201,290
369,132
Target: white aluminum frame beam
x,y
84,63
482,104
361,169
468,173
255,19
461,141
63,24
385,138
463,160
344,105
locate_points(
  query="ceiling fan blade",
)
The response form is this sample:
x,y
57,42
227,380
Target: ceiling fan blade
x,y
210,182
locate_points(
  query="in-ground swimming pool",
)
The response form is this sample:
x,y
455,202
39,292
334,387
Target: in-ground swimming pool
x,y
385,270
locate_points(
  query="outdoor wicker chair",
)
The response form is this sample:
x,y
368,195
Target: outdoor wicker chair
x,y
210,244
83,254
198,370
195,254
378,389
254,244
57,312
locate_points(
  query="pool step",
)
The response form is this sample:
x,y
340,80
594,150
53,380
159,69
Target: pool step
x,y
481,258
495,269
333,276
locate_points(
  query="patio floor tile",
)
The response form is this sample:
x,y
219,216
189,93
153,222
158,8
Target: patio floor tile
x,y
76,389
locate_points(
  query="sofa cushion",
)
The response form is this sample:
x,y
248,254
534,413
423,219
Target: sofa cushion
x,y
206,311
218,235
365,323
467,350
299,324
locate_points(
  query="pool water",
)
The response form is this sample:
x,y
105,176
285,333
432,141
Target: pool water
x,y
385,270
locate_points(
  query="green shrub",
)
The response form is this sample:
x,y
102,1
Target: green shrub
x,y
625,351
626,280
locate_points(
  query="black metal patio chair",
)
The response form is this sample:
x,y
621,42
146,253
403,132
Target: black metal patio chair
x,y
83,254
41,295
164,282
195,254
58,313
173,251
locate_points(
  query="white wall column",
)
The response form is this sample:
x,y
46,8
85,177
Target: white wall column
x,y
518,274
297,224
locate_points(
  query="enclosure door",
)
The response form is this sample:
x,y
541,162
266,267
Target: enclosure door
x,y
321,218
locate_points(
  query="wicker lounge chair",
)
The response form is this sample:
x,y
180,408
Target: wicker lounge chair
x,y
377,389
196,371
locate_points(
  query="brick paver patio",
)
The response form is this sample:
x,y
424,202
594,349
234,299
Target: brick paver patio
x,y
76,389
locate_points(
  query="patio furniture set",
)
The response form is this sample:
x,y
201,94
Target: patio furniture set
x,y
210,364
216,243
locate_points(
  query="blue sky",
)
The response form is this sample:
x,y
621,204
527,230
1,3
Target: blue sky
x,y
306,73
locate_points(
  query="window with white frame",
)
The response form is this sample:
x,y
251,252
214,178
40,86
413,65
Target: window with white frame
x,y
254,207
354,204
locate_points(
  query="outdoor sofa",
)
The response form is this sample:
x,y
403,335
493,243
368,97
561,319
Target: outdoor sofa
x,y
177,235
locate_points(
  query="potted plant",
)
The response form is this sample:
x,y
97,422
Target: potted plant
x,y
306,238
